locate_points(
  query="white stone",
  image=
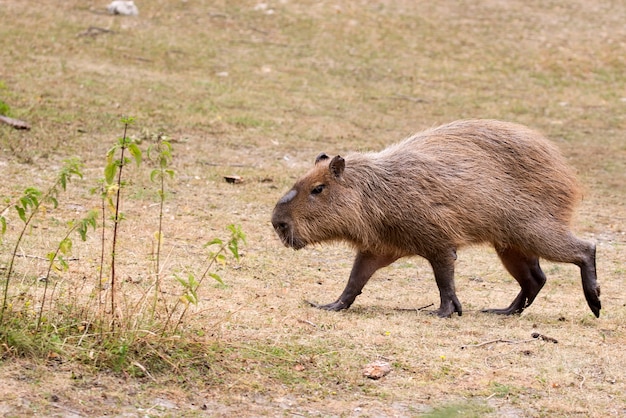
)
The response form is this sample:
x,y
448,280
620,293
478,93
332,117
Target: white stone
x,y
123,7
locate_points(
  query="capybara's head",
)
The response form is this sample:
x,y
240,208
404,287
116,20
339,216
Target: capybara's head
x,y
318,207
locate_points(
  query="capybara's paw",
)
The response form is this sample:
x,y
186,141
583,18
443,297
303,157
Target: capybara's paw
x,y
338,305
595,305
447,309
511,310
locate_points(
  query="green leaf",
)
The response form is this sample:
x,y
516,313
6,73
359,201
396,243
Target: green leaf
x,y
63,263
170,173
32,192
21,212
82,231
215,241
182,281
135,152
3,225
65,246
217,278
128,120
233,246
191,298
109,173
55,202
111,154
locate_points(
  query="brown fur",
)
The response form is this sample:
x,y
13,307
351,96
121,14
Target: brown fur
x,y
463,183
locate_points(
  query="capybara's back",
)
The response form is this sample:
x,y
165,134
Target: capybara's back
x,y
463,183
478,181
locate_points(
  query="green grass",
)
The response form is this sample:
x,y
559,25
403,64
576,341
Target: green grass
x,y
459,410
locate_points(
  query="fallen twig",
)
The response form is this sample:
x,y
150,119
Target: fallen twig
x,y
535,337
499,340
16,123
304,321
36,257
421,308
409,98
94,31
65,408
544,337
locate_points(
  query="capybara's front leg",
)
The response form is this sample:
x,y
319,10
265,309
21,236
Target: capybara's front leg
x,y
365,265
590,284
444,276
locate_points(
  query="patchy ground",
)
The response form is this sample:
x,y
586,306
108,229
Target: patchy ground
x,y
257,90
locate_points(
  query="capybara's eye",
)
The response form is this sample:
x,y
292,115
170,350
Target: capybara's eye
x,y
318,189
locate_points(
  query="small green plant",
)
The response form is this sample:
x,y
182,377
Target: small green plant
x,y
113,186
28,206
64,248
4,108
216,255
161,153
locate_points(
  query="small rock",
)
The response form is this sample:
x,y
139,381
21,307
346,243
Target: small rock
x,y
165,403
376,370
123,7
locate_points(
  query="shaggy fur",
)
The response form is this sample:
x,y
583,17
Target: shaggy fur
x,y
467,182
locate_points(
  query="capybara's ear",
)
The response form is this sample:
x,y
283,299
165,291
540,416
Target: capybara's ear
x,y
321,157
337,165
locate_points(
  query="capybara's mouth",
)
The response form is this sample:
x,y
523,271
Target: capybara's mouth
x,y
291,242
286,233
287,236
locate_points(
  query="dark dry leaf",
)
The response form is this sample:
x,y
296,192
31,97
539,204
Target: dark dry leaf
x,y
233,179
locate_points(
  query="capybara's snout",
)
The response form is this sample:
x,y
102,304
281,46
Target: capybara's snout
x,y
285,230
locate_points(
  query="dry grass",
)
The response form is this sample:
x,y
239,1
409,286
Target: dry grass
x,y
242,90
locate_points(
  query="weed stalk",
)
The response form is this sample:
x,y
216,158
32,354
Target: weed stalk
x,y
163,148
113,167
64,248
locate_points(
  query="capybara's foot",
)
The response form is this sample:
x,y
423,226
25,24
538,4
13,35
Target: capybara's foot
x,y
516,308
446,310
504,311
338,305
593,301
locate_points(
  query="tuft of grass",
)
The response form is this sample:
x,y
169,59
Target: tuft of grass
x,y
469,409
80,323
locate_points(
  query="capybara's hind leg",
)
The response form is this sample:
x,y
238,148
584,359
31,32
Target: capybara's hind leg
x,y
365,265
566,248
526,270
444,276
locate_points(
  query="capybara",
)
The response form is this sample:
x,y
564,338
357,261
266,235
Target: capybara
x,y
468,182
